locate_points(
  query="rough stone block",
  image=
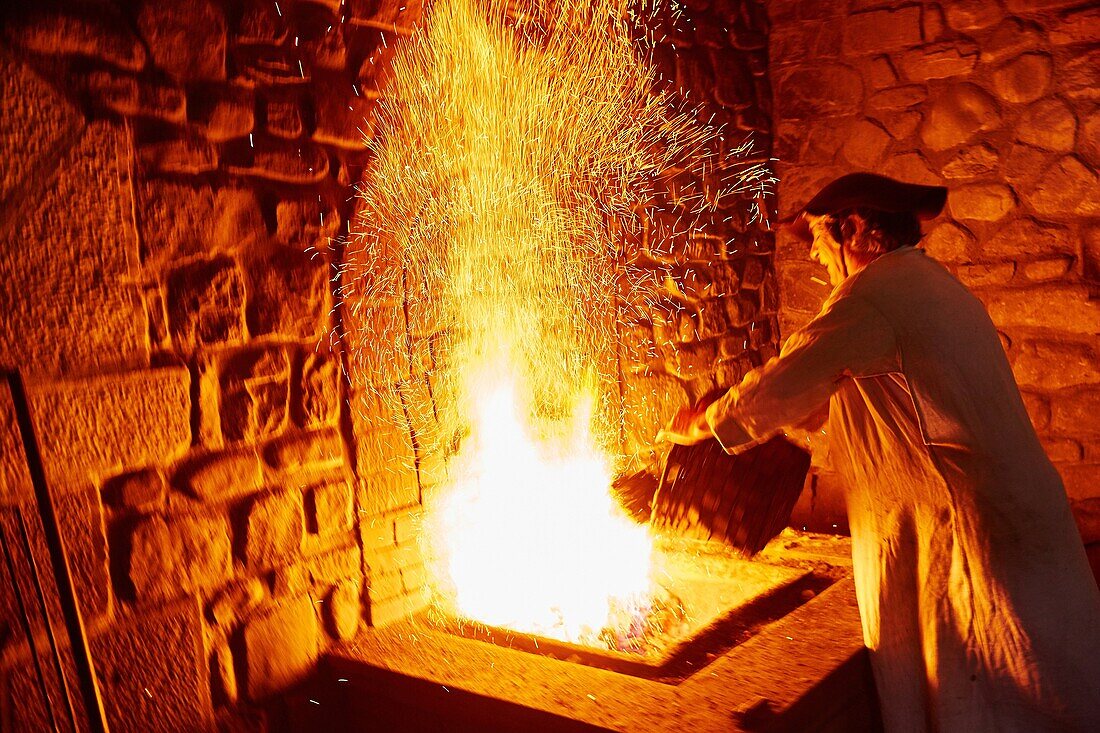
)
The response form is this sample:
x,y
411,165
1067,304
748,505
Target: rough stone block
x,y
900,97
1032,6
97,31
320,449
178,556
276,526
938,62
1082,480
1056,364
1089,143
103,425
1077,77
385,572
151,671
1024,79
1091,252
1077,26
912,167
883,30
948,242
154,671
222,115
1062,450
900,124
260,23
344,610
734,86
80,519
971,162
1038,409
1063,307
34,122
319,391
1068,187
407,526
986,275
1010,37
1048,124
287,293
332,505
218,220
281,647
297,163
68,280
186,39
824,89
255,394
335,566
124,95
306,222
1074,415
957,114
284,120
206,303
866,146
1051,268
880,72
981,201
142,491
968,15
1027,238
236,601
188,155
219,476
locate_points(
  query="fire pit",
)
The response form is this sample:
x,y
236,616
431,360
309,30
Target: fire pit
x,y
770,646
708,604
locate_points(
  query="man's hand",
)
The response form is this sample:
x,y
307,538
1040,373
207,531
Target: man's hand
x,y
688,427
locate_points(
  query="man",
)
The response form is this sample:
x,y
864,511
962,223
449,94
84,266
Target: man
x,y
977,602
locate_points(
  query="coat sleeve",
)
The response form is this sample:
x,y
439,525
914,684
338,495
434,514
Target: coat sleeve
x,y
849,338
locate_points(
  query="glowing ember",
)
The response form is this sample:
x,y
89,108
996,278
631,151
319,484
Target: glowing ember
x,y
516,148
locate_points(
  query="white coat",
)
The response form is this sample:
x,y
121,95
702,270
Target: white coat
x,y
977,602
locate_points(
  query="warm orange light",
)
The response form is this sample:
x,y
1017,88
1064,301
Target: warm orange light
x,y
514,143
528,533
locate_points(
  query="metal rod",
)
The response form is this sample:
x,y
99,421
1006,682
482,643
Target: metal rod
x,y
59,560
26,619
58,663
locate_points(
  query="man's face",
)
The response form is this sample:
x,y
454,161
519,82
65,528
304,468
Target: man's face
x,y
826,250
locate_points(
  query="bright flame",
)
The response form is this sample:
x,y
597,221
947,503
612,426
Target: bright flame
x,y
530,536
516,148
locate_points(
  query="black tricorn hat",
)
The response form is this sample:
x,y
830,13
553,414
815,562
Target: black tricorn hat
x,y
870,191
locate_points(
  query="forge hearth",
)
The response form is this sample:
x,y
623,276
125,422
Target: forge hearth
x,y
775,645
706,604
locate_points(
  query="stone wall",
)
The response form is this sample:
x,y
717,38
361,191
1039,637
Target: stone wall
x,y
997,101
699,300
174,173
176,185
